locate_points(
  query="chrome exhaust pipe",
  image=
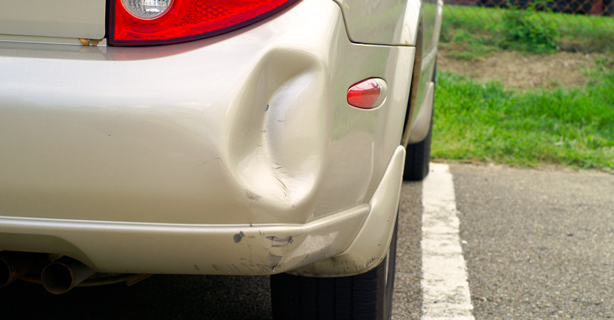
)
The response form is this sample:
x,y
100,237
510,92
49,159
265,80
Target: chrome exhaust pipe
x,y
14,265
64,274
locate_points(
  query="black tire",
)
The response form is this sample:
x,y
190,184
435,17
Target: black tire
x,y
418,155
363,296
417,158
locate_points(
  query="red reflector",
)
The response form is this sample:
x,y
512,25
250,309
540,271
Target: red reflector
x,y
365,94
188,20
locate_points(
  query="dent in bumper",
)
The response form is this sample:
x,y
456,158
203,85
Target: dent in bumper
x,y
252,127
371,244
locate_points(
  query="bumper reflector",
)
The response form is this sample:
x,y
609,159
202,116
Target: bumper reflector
x,y
367,94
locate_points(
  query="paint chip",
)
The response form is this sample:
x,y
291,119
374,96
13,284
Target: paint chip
x,y
238,237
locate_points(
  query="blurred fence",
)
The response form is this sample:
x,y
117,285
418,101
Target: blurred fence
x,y
591,7
580,25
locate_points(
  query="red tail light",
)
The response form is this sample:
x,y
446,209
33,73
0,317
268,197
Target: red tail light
x,y
185,20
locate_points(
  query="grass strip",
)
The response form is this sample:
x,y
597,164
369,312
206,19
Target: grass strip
x,y
485,122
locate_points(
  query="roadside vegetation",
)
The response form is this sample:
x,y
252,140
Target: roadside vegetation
x,y
476,32
484,122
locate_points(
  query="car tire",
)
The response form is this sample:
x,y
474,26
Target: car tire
x,y
417,158
418,155
364,296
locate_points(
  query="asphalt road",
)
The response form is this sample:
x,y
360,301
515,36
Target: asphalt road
x,y
537,243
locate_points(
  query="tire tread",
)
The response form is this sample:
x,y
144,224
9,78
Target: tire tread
x,y
356,297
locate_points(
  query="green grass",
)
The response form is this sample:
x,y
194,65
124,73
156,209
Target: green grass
x,y
485,122
467,46
476,32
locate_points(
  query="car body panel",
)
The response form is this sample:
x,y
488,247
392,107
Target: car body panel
x,y
387,22
58,18
431,17
370,246
253,134
422,109
422,121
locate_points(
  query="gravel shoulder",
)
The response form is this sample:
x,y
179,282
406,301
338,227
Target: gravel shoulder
x,y
525,71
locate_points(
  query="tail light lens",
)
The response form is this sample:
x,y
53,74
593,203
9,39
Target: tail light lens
x,y
153,22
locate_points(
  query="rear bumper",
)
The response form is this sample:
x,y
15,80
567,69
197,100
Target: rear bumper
x,y
117,247
125,247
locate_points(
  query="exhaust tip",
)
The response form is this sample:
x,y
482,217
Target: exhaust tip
x,y
6,273
14,265
57,278
64,274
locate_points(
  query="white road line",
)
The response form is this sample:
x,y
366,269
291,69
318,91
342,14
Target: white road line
x,y
445,290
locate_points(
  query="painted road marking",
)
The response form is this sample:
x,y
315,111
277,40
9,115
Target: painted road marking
x,y
445,290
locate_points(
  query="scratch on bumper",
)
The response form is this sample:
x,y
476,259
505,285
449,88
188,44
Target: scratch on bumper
x,y
186,249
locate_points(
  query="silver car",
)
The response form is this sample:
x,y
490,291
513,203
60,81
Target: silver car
x,y
247,137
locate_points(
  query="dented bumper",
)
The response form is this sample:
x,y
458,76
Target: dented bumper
x,y
221,249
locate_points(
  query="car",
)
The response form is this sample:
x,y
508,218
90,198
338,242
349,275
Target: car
x,y
209,137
